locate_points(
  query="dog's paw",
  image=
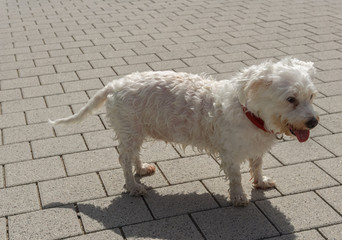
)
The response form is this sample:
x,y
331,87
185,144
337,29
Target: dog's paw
x,y
238,198
146,170
265,183
136,190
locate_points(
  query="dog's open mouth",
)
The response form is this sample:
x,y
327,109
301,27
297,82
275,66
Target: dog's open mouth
x,y
302,135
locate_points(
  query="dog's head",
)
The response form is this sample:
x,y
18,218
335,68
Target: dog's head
x,y
281,94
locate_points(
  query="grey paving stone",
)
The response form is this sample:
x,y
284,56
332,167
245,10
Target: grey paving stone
x,y
100,139
189,169
332,122
234,223
332,166
57,146
92,123
12,120
27,133
71,189
51,61
167,65
19,82
294,152
298,212
34,171
29,72
3,228
228,67
42,115
299,178
332,196
85,57
332,232
52,223
157,151
113,234
82,85
111,62
66,99
15,152
95,73
19,199
311,234
180,227
265,53
331,142
179,199
113,212
23,105
329,64
114,181
2,177
121,70
59,77
42,90
91,161
329,76
331,88
8,95
69,67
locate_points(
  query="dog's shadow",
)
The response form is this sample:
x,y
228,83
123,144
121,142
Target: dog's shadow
x,y
177,216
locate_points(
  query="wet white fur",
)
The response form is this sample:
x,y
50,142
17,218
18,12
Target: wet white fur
x,y
195,110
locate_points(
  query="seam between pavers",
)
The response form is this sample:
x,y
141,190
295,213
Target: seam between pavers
x,y
328,225
79,218
39,197
313,139
102,183
321,197
196,225
4,176
314,162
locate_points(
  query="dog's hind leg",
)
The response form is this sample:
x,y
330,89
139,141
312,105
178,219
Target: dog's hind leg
x,y
127,154
260,181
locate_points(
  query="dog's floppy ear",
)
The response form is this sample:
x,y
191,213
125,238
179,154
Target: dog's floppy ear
x,y
253,79
250,89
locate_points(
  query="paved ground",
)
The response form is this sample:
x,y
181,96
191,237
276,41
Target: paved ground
x,y
66,182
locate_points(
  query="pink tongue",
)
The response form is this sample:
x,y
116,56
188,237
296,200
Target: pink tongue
x,y
302,135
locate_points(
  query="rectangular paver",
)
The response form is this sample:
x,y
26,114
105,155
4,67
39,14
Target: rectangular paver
x,y
52,223
182,198
34,171
91,161
15,152
113,212
180,227
234,223
306,211
57,146
70,190
19,199
27,133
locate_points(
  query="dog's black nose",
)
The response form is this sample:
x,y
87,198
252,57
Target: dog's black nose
x,y
312,123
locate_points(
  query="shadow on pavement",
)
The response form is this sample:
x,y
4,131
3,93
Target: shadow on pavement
x,y
179,216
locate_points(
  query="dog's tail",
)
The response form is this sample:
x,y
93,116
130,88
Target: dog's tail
x,y
94,103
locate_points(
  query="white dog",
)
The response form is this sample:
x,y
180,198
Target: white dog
x,y
235,119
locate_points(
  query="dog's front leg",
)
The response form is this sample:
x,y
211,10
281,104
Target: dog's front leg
x,y
231,167
260,181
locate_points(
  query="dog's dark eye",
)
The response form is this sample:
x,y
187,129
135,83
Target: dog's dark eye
x,y
291,99
311,97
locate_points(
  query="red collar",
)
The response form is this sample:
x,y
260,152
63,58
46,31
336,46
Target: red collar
x,y
258,122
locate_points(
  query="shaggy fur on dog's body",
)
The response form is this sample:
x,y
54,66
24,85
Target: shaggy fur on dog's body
x,y
195,110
